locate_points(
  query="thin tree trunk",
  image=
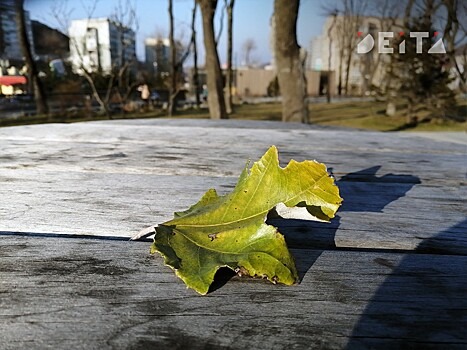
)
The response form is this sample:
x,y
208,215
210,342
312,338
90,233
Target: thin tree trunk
x,y
38,89
449,35
390,101
221,22
354,23
173,64
215,84
347,70
104,107
195,56
341,62
407,13
328,90
290,70
229,77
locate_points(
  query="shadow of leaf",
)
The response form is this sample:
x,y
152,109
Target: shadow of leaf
x,y
362,191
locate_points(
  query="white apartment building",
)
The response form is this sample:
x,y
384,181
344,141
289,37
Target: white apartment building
x,y
365,70
100,44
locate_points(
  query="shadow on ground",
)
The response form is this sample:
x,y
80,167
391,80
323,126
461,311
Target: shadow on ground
x,y
421,302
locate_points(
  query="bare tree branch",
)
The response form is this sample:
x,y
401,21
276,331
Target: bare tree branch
x,y
249,45
124,17
221,22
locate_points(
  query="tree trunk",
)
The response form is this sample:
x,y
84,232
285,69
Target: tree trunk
x,y
195,56
103,106
290,69
347,70
229,76
173,64
328,90
215,84
38,90
341,63
450,33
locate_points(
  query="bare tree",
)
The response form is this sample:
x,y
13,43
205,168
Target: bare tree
x,y
385,19
62,15
38,89
178,57
249,45
290,66
353,12
124,18
348,20
455,32
215,84
392,80
341,40
195,55
336,34
173,62
331,27
229,75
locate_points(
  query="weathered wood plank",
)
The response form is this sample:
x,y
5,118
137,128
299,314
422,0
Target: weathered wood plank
x,y
402,192
88,294
374,215
194,150
114,178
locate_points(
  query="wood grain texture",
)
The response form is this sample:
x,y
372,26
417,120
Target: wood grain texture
x,y
390,271
115,178
85,293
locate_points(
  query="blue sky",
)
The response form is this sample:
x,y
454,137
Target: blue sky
x,y
251,20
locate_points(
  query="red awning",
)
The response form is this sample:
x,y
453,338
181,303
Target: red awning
x,y
12,80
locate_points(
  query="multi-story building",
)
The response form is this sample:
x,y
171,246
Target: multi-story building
x,y
100,44
330,51
157,54
10,49
49,43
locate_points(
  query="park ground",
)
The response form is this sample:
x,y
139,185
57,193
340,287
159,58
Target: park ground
x,y
363,115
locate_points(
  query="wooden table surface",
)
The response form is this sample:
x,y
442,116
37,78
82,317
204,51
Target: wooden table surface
x,y
390,271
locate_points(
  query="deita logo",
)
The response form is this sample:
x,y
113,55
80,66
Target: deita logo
x,y
368,43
